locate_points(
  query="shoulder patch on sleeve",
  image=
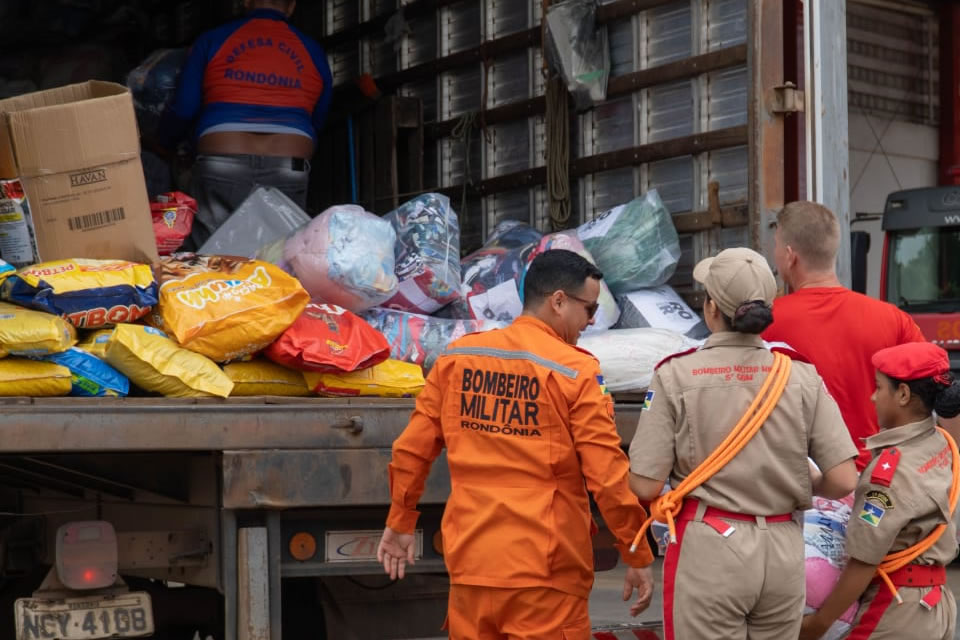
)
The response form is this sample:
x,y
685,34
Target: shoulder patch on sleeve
x,y
879,497
872,512
603,387
886,466
675,355
648,399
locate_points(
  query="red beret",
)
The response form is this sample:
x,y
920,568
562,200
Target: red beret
x,y
912,361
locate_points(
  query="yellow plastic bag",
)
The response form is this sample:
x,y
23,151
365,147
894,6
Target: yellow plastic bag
x,y
225,307
263,378
21,377
33,333
389,379
156,363
96,343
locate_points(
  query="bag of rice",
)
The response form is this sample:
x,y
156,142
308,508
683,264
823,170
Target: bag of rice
x,y
225,307
156,363
33,333
328,338
90,376
264,378
5,268
95,343
389,379
88,293
21,377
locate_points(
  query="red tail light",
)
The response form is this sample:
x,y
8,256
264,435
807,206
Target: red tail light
x,y
87,554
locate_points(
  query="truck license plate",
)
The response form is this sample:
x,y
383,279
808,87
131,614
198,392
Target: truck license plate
x,y
360,546
129,615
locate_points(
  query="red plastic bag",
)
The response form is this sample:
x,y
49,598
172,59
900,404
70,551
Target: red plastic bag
x,y
172,220
328,338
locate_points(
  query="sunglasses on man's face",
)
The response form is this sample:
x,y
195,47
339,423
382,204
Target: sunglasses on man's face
x,y
589,307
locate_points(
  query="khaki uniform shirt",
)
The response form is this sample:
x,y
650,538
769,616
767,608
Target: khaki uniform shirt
x,y
889,519
695,400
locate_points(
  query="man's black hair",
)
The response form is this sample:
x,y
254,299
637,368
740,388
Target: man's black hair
x,y
556,269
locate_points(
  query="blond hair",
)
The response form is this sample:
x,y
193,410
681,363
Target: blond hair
x,y
811,230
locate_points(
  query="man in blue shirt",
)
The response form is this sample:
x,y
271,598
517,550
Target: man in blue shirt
x,y
255,92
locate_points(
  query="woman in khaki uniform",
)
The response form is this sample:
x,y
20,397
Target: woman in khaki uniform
x,y
737,568
902,497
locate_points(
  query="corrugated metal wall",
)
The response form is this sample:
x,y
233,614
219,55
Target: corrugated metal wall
x,y
893,62
645,40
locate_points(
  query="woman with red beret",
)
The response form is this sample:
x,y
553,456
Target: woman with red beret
x,y
902,499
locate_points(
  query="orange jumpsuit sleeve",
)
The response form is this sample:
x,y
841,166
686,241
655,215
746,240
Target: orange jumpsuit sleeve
x,y
413,455
604,465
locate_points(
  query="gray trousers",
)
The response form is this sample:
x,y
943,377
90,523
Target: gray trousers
x,y
220,184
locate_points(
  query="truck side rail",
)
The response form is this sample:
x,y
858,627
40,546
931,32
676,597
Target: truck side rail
x,y
51,425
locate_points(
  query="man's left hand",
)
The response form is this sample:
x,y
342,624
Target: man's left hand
x,y
642,581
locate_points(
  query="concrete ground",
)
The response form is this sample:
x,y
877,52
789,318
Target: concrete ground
x,y
608,608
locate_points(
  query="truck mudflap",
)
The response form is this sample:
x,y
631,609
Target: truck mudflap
x,y
642,631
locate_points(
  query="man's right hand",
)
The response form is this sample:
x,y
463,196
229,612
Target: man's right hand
x,y
396,550
642,581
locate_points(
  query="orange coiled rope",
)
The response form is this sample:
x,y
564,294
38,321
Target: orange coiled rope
x,y
894,561
666,507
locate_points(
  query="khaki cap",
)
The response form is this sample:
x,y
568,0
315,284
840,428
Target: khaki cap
x,y
735,276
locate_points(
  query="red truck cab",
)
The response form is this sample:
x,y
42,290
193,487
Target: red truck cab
x,y
920,271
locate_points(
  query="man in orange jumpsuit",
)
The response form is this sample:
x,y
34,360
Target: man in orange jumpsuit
x,y
528,428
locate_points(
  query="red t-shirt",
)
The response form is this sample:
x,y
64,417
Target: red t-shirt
x,y
839,330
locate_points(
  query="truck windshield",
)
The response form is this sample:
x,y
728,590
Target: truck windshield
x,y
923,272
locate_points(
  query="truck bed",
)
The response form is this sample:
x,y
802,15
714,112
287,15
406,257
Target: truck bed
x,y
274,452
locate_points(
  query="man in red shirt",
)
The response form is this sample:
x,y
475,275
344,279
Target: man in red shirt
x,y
837,329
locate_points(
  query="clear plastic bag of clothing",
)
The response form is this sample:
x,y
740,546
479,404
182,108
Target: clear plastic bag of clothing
x,y
427,254
490,274
825,543
634,244
266,216
421,339
344,256
578,50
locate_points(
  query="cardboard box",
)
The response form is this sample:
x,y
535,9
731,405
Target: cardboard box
x,y
77,154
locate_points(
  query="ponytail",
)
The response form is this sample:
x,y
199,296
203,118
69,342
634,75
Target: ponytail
x,y
947,401
752,317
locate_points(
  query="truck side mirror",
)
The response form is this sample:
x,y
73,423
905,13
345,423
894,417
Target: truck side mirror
x,y
859,247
